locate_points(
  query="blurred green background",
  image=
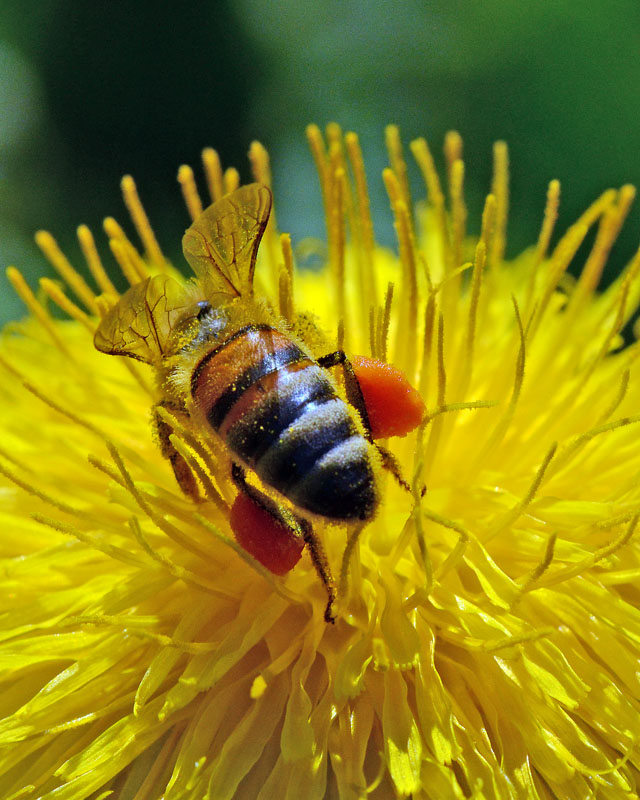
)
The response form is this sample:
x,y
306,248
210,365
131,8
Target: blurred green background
x,y
90,91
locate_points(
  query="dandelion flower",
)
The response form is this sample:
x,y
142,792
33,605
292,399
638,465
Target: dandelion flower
x,y
487,638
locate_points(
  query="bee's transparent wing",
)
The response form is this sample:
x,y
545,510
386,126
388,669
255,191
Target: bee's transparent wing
x,y
140,323
222,244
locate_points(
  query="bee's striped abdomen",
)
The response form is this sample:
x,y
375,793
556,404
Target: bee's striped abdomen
x,y
278,412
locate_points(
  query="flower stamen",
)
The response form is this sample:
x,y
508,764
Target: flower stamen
x,y
517,511
500,190
141,221
170,530
54,291
285,281
92,258
213,173
261,170
399,168
69,275
435,195
33,490
178,571
189,191
129,260
365,225
23,291
95,542
405,349
230,180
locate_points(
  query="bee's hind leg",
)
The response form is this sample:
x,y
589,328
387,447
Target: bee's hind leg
x,y
356,398
299,527
185,477
390,463
351,385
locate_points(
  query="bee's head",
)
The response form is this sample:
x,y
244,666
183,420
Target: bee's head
x,y
202,322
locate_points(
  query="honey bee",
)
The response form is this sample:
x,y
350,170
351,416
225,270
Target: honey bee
x,y
249,382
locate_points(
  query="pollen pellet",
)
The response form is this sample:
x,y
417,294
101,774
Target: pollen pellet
x,y
394,407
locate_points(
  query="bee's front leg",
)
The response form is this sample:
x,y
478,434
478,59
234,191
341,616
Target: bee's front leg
x,y
185,477
298,526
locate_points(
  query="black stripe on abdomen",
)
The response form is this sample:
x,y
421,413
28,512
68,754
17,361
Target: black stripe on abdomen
x,y
271,362
303,443
293,394
341,484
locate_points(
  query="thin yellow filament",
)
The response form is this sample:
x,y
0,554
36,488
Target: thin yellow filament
x,y
528,582
562,256
23,291
383,330
29,488
398,164
53,290
60,409
69,275
141,221
260,166
429,318
198,447
542,245
436,427
268,576
213,173
261,169
405,346
365,225
592,559
230,180
317,147
96,542
453,148
628,278
121,255
90,252
618,398
610,224
171,531
500,189
511,516
189,189
134,259
568,245
503,423
548,222
458,211
424,160
183,574
476,283
285,283
467,406
337,239
576,444
159,501
374,321
210,490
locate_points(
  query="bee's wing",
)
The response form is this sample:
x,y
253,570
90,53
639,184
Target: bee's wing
x,y
222,244
140,322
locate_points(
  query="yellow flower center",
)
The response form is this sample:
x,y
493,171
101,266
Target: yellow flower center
x,y
487,639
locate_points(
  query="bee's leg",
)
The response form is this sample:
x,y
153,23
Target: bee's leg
x,y
185,477
390,463
356,398
351,385
299,527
